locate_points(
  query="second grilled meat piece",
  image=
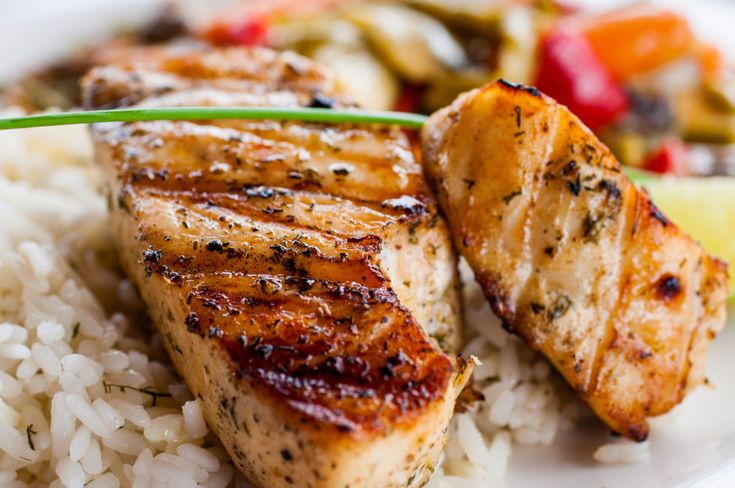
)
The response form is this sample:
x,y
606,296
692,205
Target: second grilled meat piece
x,y
571,255
290,268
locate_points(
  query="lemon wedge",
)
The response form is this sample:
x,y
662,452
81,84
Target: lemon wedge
x,y
702,207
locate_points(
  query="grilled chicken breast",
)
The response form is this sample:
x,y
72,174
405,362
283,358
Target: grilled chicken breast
x,y
571,255
299,273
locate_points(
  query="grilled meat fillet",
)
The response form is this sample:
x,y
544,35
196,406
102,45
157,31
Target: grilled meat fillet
x,y
296,271
571,255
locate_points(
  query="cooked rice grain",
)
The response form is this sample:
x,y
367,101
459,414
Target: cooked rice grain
x,y
623,451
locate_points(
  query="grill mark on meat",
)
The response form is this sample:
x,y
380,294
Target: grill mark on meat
x,y
301,352
299,302
501,305
639,291
247,154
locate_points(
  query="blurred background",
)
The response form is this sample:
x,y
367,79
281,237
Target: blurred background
x,y
653,80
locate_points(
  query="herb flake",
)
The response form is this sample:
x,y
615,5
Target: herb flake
x,y
560,308
146,391
30,433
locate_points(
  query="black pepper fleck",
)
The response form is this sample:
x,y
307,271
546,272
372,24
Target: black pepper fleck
x,y
215,245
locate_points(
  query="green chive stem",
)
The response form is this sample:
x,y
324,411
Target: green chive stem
x,y
326,115
304,114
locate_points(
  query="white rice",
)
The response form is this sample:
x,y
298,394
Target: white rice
x,y
524,404
623,451
72,366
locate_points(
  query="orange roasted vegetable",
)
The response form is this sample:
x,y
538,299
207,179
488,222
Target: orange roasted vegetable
x,y
710,61
637,39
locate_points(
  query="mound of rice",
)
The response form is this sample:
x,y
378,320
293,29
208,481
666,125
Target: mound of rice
x,y
87,395
525,403
86,398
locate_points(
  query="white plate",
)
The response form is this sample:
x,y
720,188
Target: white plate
x,y
693,446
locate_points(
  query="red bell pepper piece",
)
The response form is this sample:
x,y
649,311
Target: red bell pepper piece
x,y
409,98
251,31
669,158
248,23
570,72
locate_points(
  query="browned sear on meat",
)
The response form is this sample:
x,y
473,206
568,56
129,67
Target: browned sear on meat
x,y
299,272
571,255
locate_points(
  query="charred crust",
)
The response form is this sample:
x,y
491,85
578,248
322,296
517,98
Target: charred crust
x,y
657,214
370,242
510,196
508,327
151,256
499,301
519,87
192,323
262,350
570,168
164,271
406,204
668,287
319,100
265,192
294,359
339,169
574,186
215,245
611,188
637,432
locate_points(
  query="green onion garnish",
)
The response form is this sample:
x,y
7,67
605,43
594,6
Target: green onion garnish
x,y
304,114
327,115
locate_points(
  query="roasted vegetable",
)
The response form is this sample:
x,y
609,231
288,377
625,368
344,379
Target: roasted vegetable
x,y
249,23
415,45
517,50
360,75
340,45
721,93
445,88
570,72
638,39
669,158
478,17
700,120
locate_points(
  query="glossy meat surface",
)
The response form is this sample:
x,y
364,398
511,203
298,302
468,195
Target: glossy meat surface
x,y
300,273
571,255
